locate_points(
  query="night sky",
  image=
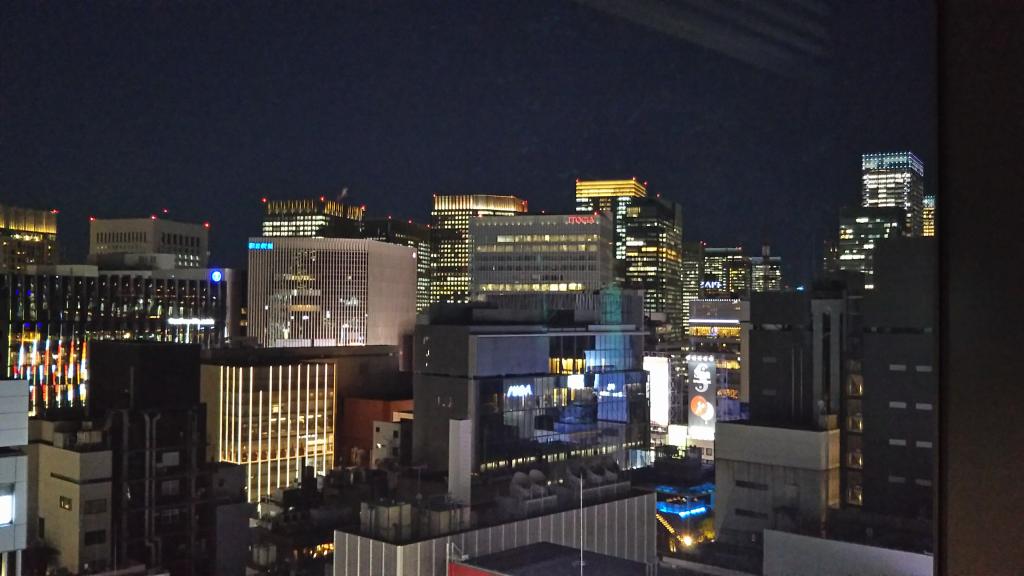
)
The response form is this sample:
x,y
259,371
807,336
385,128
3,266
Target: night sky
x,y
123,111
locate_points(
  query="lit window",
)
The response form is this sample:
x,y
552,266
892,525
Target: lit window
x,y
6,504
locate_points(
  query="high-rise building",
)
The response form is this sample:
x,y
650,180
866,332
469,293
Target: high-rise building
x,y
765,271
692,269
860,230
27,237
652,231
928,216
413,235
449,240
726,273
271,414
540,253
311,218
126,243
895,180
53,314
13,472
611,197
330,292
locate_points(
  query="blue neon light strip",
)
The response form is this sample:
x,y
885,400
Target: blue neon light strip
x,y
687,510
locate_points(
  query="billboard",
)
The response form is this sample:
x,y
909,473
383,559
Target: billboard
x,y
660,388
701,372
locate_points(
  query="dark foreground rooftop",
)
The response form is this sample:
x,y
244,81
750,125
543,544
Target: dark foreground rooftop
x,y
547,559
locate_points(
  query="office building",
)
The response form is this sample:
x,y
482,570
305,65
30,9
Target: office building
x,y
13,475
610,197
330,292
829,256
545,382
413,235
726,273
545,558
129,243
27,237
765,271
895,180
271,414
860,230
450,241
311,218
53,315
540,253
652,231
928,216
692,270
70,469
897,422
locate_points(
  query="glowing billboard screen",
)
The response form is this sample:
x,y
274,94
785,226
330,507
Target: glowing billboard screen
x,y
701,371
659,380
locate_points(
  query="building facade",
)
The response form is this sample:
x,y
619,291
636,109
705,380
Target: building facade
x,y
726,273
330,292
27,237
860,231
895,180
653,237
540,253
899,397
137,242
692,271
610,197
311,218
413,235
532,389
450,241
13,475
272,418
928,216
52,315
766,271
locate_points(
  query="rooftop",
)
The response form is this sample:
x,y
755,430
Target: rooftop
x,y
547,559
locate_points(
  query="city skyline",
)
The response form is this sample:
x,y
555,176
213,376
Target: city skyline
x,y
308,117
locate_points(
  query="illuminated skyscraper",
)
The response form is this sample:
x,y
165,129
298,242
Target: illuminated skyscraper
x,y
652,231
450,242
929,216
692,273
860,229
540,253
612,197
413,235
895,180
726,273
765,271
27,237
311,217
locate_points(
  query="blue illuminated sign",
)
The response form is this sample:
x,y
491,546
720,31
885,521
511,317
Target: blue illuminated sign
x,y
261,245
519,391
216,276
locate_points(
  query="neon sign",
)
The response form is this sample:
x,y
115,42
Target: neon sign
x,y
261,245
519,391
580,220
216,276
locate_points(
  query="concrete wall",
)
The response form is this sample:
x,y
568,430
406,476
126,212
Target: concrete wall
x,y
391,292
773,478
795,555
14,463
623,528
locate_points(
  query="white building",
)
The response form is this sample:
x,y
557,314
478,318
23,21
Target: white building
x,y
330,292
139,242
536,254
13,474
